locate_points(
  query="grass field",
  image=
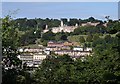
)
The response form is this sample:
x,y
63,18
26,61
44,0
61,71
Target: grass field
x,y
76,37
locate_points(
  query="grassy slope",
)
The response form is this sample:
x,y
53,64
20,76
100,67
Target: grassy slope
x,y
76,37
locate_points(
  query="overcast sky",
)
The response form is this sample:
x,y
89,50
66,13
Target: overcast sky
x,y
61,9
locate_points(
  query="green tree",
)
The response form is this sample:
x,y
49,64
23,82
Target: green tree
x,y
10,44
95,37
10,40
52,70
58,36
82,40
77,31
48,36
89,38
108,38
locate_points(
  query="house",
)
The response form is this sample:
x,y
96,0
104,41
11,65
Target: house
x,y
82,49
78,48
32,59
61,44
62,52
32,56
55,44
52,48
82,53
20,50
33,50
65,48
38,57
73,53
90,24
76,43
26,58
47,52
68,43
88,49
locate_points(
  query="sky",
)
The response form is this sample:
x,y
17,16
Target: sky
x,y
59,10
60,0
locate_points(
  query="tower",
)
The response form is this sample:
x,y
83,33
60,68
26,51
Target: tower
x,y
46,27
62,24
76,25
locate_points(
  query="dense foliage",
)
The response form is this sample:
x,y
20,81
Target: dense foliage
x,y
31,29
100,68
103,67
12,72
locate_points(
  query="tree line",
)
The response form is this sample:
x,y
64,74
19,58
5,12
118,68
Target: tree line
x,y
103,67
31,29
100,68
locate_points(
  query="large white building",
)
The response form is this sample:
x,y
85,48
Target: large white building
x,y
61,28
73,53
38,57
90,24
32,57
69,29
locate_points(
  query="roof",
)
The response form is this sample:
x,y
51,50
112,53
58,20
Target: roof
x,y
26,54
33,46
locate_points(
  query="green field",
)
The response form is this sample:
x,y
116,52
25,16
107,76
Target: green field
x,y
75,38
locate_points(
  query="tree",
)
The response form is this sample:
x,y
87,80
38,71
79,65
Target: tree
x,y
77,31
95,37
82,40
100,68
98,41
108,38
89,38
91,19
73,21
10,41
52,70
64,37
61,36
58,37
48,36
107,17
11,65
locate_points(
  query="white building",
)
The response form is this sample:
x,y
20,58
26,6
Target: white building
x,y
88,49
64,29
61,28
32,56
73,53
47,52
20,50
46,29
38,57
33,50
26,57
90,24
78,49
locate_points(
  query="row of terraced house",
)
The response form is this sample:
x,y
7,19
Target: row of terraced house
x,y
34,56
70,48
